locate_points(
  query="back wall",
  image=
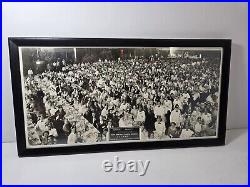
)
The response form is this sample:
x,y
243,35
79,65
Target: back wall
x,y
131,20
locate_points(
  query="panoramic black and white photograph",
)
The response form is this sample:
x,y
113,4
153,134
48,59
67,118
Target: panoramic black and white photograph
x,y
90,95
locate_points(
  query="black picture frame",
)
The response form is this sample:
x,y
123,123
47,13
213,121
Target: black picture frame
x,y
15,42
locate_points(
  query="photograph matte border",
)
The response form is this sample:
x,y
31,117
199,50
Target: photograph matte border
x,y
15,43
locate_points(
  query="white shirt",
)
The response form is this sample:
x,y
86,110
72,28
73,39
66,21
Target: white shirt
x,y
160,127
207,118
42,125
159,111
104,112
123,123
186,133
168,105
134,112
83,109
123,106
195,114
175,117
100,83
52,111
197,127
209,99
71,138
53,132
116,102
196,96
140,116
145,95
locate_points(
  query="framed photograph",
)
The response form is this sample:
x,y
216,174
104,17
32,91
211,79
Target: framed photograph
x,y
75,95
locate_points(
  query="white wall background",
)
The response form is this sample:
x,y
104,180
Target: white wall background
x,y
131,20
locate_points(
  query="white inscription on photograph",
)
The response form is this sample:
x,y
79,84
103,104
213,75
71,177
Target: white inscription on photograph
x,y
80,95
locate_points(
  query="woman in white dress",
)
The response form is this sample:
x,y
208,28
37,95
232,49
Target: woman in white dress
x,y
72,138
175,116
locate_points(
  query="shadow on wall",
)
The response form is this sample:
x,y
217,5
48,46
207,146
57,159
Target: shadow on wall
x,y
230,137
237,100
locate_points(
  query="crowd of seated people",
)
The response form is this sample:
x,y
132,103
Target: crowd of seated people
x,y
78,103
